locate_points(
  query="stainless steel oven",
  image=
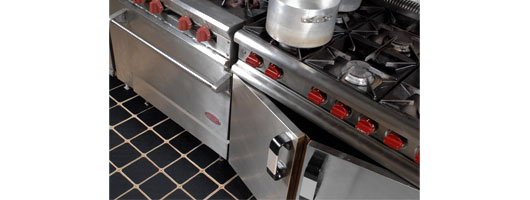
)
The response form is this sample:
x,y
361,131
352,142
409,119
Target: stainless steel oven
x,y
280,156
183,78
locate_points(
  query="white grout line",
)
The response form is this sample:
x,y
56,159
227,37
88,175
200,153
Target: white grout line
x,y
116,87
161,170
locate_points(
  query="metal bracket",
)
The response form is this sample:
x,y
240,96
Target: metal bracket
x,y
311,178
275,167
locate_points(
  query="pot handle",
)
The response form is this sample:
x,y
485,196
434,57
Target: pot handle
x,y
311,178
317,19
275,167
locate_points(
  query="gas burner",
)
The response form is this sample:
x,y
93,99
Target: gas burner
x,y
402,42
359,76
363,77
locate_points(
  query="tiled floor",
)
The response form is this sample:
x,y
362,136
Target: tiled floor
x,y
152,157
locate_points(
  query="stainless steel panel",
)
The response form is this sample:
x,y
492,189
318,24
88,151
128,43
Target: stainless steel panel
x,y
385,156
341,176
176,45
208,14
187,117
114,6
170,84
111,61
387,117
255,122
303,87
111,65
121,49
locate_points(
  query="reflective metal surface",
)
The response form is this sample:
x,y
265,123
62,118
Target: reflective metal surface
x,y
275,166
340,176
122,57
208,14
255,122
376,150
302,23
183,79
349,5
299,72
310,182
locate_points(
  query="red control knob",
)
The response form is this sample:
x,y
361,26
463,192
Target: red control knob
x,y
417,159
273,72
184,23
365,125
393,141
203,34
316,96
155,7
254,60
340,111
139,1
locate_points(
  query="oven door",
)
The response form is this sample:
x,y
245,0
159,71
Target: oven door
x,y
265,146
277,161
331,174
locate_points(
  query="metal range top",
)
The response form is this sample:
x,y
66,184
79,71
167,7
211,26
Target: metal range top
x,y
373,39
312,123
367,76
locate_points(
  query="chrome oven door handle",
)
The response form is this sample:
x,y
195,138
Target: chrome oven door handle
x,y
275,167
220,85
311,178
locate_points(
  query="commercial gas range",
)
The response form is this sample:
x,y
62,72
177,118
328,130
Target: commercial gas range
x,y
177,55
337,121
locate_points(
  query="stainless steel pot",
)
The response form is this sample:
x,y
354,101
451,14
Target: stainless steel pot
x,y
349,5
302,23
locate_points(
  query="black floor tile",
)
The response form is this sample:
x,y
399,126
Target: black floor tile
x,y
114,82
163,155
200,186
178,195
118,185
123,155
133,195
130,128
117,114
121,94
181,170
221,195
111,102
140,170
168,129
114,139
203,156
158,186
185,142
238,189
221,171
111,168
151,116
136,105
146,141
